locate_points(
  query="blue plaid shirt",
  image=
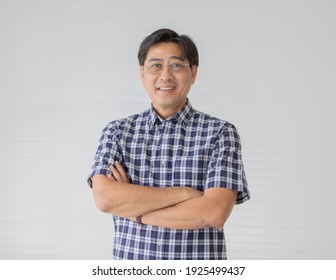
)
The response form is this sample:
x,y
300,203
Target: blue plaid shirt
x,y
188,149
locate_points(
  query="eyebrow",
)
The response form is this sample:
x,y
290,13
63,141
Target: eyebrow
x,y
171,57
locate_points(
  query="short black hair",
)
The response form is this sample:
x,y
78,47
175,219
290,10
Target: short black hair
x,y
189,49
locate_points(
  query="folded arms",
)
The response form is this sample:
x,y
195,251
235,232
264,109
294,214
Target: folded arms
x,y
174,207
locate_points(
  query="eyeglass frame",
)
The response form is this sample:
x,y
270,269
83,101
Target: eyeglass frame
x,y
157,61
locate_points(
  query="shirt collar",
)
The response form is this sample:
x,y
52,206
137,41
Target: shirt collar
x,y
182,117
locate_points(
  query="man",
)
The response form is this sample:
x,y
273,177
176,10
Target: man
x,y
170,175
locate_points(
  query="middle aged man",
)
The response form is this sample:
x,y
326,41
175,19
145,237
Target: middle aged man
x,y
171,174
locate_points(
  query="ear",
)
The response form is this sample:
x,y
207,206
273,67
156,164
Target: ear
x,y
142,70
193,73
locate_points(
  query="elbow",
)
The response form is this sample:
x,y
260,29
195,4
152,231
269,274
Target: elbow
x,y
219,224
217,220
219,212
209,221
101,195
100,200
102,206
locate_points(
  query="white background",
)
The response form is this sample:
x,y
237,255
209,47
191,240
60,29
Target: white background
x,y
69,67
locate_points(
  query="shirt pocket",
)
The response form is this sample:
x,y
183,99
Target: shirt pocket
x,y
190,171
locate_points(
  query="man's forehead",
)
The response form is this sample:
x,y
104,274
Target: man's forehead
x,y
163,51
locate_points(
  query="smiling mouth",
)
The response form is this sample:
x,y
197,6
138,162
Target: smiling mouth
x,y
166,88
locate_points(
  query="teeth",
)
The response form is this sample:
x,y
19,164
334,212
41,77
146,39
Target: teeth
x,y
166,88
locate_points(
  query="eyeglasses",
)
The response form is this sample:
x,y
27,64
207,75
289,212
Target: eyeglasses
x,y
174,67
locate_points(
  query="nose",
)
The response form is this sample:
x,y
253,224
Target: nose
x,y
166,74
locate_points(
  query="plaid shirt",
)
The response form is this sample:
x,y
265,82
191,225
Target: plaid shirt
x,y
189,149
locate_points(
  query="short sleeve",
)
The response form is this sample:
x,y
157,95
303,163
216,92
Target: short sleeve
x,y
226,168
108,151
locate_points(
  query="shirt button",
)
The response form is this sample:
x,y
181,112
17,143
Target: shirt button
x,y
163,162
165,136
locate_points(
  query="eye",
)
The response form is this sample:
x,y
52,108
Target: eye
x,y
176,66
156,66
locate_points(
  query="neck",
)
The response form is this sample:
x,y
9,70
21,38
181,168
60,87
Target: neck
x,y
165,113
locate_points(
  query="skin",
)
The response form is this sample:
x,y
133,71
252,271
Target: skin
x,y
209,209
165,207
167,91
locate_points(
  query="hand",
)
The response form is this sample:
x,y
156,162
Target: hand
x,y
118,174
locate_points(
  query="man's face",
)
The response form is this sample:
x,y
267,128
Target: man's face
x,y
167,89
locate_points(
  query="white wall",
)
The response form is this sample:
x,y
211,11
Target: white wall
x,y
68,67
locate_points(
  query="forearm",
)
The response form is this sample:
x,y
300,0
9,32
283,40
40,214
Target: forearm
x,y
201,212
128,200
180,216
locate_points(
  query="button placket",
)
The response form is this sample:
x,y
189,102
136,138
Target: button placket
x,y
164,137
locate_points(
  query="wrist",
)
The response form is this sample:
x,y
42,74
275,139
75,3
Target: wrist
x,y
139,220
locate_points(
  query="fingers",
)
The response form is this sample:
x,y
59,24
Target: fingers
x,y
121,171
118,173
115,174
110,177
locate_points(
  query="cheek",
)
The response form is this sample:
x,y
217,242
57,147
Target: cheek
x,y
149,84
186,83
